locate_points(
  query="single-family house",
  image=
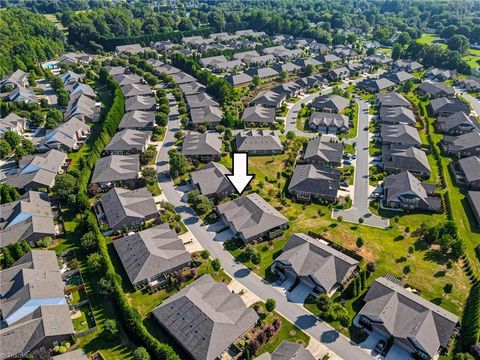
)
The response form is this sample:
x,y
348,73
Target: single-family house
x,y
212,181
328,123
206,146
116,169
312,181
258,142
323,151
258,115
128,141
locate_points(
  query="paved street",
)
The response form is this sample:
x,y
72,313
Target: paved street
x,y
360,199
474,103
334,342
291,118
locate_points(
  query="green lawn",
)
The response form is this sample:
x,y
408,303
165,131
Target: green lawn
x,y
84,321
387,248
427,38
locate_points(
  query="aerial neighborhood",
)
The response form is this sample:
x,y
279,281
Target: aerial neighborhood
x,y
240,180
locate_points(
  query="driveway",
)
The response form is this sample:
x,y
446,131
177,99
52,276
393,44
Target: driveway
x,y
360,208
395,352
474,103
299,293
338,345
48,92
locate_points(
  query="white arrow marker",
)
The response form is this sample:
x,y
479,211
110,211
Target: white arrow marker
x,y
240,177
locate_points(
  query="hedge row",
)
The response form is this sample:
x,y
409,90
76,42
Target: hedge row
x,y
470,332
130,316
110,124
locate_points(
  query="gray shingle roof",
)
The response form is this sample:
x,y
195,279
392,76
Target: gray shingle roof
x,y
167,69
288,88
329,119
192,88
309,257
206,144
260,140
448,105
459,119
140,102
213,60
393,99
401,158
405,184
400,134
269,99
464,142
251,215
151,252
325,150
119,204
129,90
43,178
288,350
246,55
116,168
397,115
35,278
471,168
211,180
315,179
138,119
288,67
436,89
376,84
262,73
12,122
200,100
129,140
80,105
398,77
335,103
51,161
205,317
238,79
258,114
407,316
207,114
124,79
182,78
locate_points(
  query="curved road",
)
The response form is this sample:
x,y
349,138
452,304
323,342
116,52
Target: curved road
x,y
335,342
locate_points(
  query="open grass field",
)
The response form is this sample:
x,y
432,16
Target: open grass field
x,y
387,248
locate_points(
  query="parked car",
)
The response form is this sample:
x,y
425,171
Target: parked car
x,y
380,346
347,162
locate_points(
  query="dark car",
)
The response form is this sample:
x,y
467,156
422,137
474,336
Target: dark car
x,y
380,346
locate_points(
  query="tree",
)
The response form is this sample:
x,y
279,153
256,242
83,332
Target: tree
x,y
106,286
12,138
270,305
89,241
26,147
8,194
396,52
95,262
5,149
178,163
360,242
248,251
140,354
53,117
45,242
65,185
463,356
323,302
458,43
291,135
110,328
256,258
216,265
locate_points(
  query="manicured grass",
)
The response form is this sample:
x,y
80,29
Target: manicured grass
x,y
78,296
154,189
387,248
427,38
287,331
84,321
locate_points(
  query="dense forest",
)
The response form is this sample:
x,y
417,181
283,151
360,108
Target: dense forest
x,y
100,25
26,39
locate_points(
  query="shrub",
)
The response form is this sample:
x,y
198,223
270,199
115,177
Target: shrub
x,y
45,242
110,329
216,265
205,254
270,305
